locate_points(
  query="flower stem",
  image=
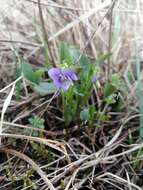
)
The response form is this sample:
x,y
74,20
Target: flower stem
x,y
64,108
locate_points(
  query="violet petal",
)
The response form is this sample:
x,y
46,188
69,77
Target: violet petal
x,y
54,73
95,79
65,85
62,79
70,74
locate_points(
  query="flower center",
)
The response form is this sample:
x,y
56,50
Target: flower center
x,y
63,78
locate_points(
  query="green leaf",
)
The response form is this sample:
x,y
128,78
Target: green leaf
x,y
140,99
85,115
29,74
92,110
65,56
117,29
77,91
45,88
86,73
102,116
113,85
37,122
18,86
75,55
111,99
109,90
84,62
115,80
100,60
40,72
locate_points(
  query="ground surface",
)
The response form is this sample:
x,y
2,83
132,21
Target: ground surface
x,y
107,157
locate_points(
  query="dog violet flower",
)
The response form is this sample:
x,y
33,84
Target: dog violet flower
x,y
95,79
62,78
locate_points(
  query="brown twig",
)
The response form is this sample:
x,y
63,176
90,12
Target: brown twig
x,y
95,32
46,41
109,72
59,6
20,42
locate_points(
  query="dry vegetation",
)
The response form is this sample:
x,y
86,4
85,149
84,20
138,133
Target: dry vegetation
x,y
77,159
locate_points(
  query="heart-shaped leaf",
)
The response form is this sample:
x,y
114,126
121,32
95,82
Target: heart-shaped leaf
x,y
45,88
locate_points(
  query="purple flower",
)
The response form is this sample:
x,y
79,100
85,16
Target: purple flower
x,y
62,78
95,79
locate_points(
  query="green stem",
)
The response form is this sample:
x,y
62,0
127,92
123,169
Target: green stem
x,y
64,108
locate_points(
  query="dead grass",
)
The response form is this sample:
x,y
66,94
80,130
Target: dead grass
x,y
88,26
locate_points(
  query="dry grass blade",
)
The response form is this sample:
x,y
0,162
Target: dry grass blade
x,y
71,180
11,84
119,179
20,42
80,19
55,5
32,30
51,143
5,106
32,163
48,133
